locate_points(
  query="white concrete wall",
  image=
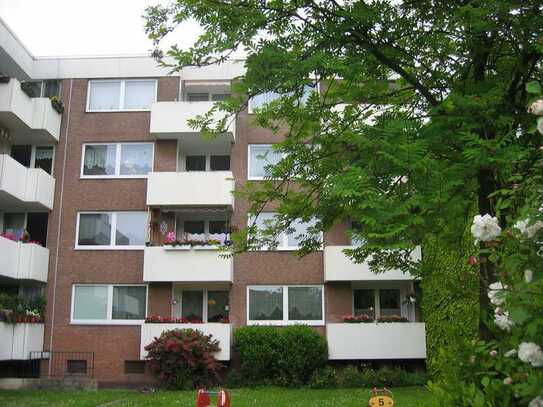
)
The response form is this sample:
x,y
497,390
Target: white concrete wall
x,y
23,261
393,340
36,113
186,265
190,188
339,267
32,185
222,332
172,117
18,340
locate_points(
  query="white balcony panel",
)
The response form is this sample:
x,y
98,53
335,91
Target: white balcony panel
x,y
24,188
170,120
394,340
213,188
339,267
185,264
29,120
18,340
23,261
221,332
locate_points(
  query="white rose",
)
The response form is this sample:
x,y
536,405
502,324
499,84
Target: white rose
x,y
485,228
526,230
496,293
536,108
503,321
537,402
530,352
510,353
528,275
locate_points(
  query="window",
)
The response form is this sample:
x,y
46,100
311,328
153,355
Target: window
x,y
111,230
201,305
22,154
205,96
356,227
203,230
282,305
44,158
117,160
194,230
34,156
195,163
377,303
219,162
110,304
290,238
76,366
261,100
126,94
14,223
218,97
261,156
45,89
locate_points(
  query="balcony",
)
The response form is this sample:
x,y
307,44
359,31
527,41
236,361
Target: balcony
x,y
366,341
186,264
18,340
201,189
222,332
28,120
170,120
23,261
24,189
339,267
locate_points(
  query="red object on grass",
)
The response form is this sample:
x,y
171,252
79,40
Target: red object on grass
x,y
203,399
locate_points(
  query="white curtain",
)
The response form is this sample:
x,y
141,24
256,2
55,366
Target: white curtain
x,y
305,303
139,94
105,95
266,304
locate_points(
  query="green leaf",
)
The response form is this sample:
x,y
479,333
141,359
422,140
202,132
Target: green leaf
x,y
519,315
533,87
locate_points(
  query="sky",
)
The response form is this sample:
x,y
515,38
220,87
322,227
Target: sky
x,y
86,27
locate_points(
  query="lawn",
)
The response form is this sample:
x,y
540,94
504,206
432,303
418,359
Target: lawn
x,y
268,396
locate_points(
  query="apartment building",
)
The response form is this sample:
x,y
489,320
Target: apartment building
x,y
115,209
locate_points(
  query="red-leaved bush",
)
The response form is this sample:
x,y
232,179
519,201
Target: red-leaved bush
x,y
184,359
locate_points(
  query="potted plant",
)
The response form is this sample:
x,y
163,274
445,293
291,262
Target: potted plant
x,y
57,104
27,87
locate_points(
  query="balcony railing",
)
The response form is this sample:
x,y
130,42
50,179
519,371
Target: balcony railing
x,y
186,264
24,188
171,119
29,120
339,267
221,332
23,261
212,188
18,340
393,340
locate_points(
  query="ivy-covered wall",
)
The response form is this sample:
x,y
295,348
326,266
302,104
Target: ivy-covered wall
x,y
450,303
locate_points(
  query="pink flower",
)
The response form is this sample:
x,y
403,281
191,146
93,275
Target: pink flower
x,y
493,353
170,237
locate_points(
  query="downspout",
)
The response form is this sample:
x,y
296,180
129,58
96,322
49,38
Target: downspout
x,y
57,248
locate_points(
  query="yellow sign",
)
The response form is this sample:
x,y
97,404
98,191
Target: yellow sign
x,y
381,401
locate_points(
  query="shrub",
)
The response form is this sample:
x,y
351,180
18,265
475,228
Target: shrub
x,y
350,377
184,359
286,356
233,380
325,378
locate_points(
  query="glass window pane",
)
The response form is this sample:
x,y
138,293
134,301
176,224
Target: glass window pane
x,y
94,229
33,88
217,97
198,97
356,227
44,158
131,229
22,154
218,231
136,159
192,305
195,163
266,303
139,94
194,230
129,302
263,221
99,159
104,95
217,305
299,231
364,303
90,302
389,301
51,88
305,304
260,157
220,163
262,99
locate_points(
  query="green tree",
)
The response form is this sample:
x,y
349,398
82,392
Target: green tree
x,y
421,113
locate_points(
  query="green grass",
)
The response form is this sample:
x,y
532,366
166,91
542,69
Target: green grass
x,y
265,396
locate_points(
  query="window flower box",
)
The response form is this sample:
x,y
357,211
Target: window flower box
x,y
357,319
392,318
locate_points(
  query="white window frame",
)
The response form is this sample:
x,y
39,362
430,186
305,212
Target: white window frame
x,y
122,88
256,178
112,245
33,156
285,321
118,152
109,319
177,307
250,107
404,312
282,238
